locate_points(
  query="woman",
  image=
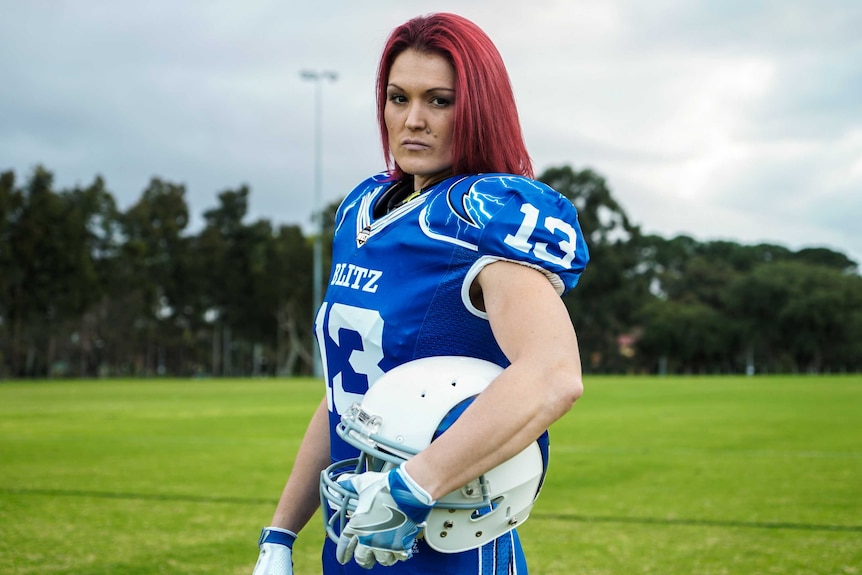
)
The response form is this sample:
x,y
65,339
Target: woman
x,y
454,250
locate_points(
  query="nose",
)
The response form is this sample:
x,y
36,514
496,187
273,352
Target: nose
x,y
415,117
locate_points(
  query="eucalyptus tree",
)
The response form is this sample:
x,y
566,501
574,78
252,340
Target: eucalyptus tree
x,y
11,205
49,278
800,316
156,275
611,289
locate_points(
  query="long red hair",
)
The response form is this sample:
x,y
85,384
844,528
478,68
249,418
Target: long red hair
x,y
486,133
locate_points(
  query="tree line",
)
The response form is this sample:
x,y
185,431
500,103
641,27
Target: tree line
x,y
89,290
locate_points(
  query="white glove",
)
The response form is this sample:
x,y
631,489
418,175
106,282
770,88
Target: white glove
x,y
390,513
276,552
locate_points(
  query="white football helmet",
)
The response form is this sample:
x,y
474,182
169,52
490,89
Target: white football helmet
x,y
399,416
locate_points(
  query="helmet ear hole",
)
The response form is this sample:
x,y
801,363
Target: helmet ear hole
x,y
495,503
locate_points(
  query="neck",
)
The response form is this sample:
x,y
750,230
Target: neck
x,y
421,184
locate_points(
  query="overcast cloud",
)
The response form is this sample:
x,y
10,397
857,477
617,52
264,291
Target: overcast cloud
x,y
720,119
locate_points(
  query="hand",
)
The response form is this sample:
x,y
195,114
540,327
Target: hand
x,y
390,513
276,552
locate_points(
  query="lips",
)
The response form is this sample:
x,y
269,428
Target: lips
x,y
415,145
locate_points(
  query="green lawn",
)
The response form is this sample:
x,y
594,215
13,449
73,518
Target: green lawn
x,y
666,476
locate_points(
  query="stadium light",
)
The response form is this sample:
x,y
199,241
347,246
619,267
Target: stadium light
x,y
317,217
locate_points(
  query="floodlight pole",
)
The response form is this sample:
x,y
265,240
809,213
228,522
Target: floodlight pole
x,y
317,216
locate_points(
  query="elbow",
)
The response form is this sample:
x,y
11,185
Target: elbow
x,y
574,389
568,387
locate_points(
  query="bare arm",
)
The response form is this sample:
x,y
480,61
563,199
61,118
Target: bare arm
x,y
533,328
301,497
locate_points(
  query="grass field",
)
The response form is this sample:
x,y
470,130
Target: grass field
x,y
648,475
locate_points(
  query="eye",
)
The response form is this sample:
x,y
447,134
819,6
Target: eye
x,y
441,102
397,98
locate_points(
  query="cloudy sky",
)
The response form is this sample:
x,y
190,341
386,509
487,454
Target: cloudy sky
x,y
721,119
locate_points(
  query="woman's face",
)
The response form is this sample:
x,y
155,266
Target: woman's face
x,y
419,114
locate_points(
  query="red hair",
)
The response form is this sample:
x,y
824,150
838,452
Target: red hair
x,y
486,134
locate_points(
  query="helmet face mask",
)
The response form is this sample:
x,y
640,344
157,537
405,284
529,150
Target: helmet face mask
x,y
400,415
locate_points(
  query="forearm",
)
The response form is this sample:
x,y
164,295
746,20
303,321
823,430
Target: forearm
x,y
300,497
497,426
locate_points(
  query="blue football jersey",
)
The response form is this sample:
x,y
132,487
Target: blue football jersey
x,y
399,285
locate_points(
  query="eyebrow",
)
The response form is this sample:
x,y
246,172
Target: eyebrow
x,y
439,89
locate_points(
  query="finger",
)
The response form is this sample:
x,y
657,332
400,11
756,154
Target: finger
x,y
365,556
345,547
385,558
363,481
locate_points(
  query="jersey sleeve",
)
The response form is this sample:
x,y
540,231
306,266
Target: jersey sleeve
x,y
527,222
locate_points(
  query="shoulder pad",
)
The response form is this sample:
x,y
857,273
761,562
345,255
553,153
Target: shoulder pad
x,y
511,218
